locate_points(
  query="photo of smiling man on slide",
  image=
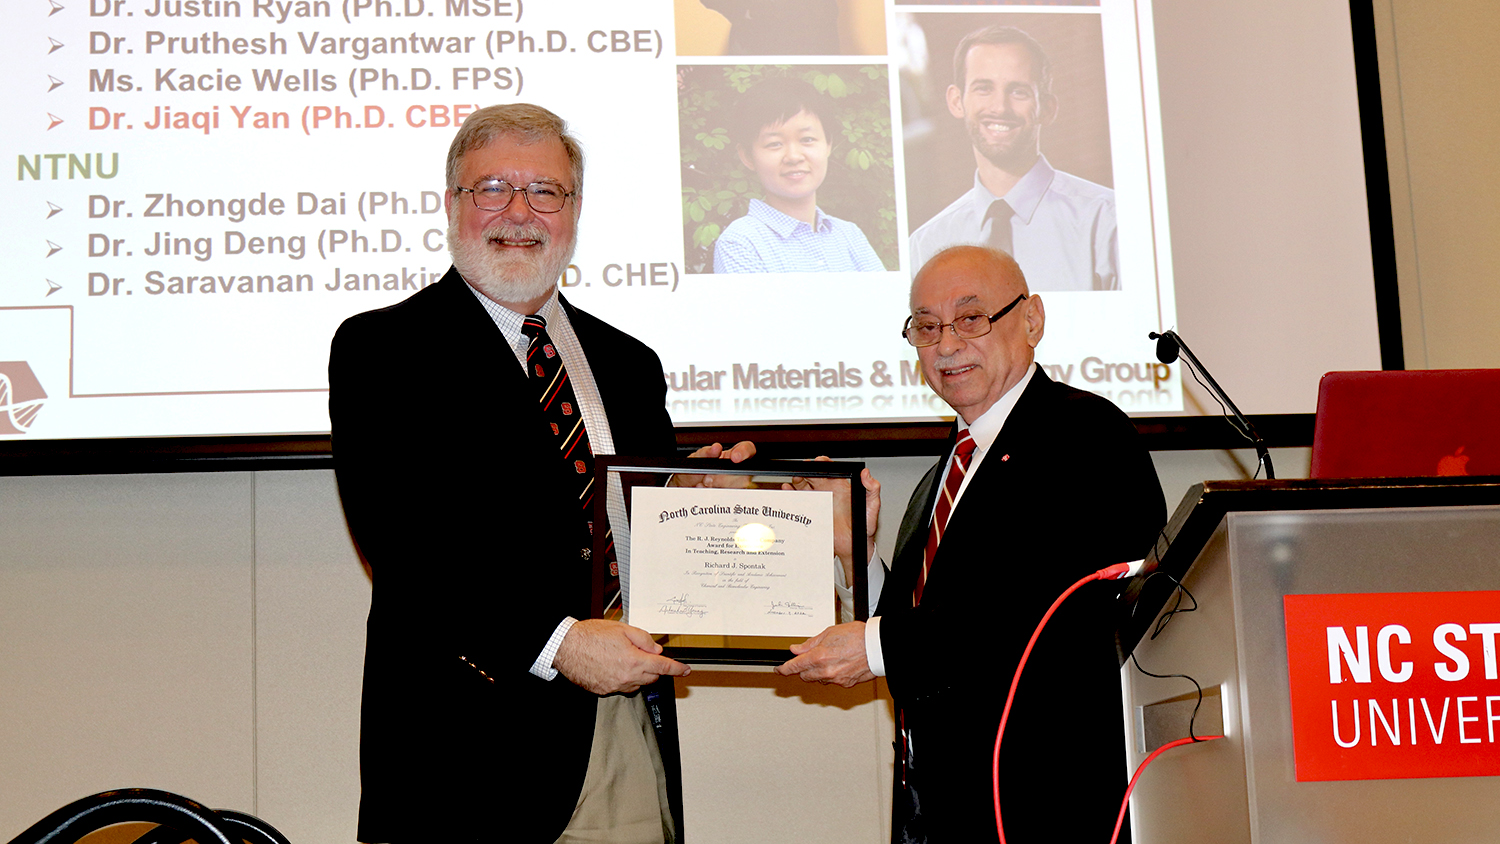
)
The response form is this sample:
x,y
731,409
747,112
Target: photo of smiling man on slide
x,y
1060,227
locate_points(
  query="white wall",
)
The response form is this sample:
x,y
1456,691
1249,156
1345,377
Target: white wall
x,y
1438,64
203,634
199,633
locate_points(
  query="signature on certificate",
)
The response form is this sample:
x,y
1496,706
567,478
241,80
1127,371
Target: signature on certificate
x,y
680,605
789,608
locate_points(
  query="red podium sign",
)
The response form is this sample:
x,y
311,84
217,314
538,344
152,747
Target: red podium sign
x,y
1394,685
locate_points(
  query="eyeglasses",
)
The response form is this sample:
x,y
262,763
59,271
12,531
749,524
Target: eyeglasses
x,y
496,195
928,332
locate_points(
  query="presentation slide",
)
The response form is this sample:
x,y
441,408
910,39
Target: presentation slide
x,y
203,189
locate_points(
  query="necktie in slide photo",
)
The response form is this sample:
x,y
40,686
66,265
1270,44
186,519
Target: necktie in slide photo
x,y
564,419
963,451
1000,232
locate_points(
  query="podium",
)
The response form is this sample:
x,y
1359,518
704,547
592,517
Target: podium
x,y
1241,547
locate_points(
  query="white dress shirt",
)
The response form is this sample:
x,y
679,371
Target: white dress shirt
x,y
984,431
601,441
1063,229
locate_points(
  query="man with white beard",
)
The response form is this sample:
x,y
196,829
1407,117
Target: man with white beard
x,y
465,420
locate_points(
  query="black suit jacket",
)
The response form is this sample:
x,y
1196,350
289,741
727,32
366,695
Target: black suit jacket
x,y
474,544
1065,490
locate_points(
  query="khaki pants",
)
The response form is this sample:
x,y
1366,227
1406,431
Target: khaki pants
x,y
624,797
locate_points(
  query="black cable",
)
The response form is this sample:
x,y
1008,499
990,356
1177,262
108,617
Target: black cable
x,y
1178,592
1158,553
1194,718
1161,624
1223,411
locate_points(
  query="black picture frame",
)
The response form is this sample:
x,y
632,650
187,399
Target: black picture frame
x,y
728,649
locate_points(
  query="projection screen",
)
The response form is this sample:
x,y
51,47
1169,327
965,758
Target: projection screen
x,y
204,189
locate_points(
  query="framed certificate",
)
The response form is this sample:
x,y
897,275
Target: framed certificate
x,y
721,574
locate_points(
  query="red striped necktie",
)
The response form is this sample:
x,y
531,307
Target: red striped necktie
x,y
962,452
565,429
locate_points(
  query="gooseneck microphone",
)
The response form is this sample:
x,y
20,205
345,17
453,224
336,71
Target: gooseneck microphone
x,y
1168,345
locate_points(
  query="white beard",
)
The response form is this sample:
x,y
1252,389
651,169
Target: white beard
x,y
509,278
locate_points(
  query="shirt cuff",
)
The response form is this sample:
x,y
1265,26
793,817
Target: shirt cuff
x,y
875,579
844,593
543,665
874,582
873,654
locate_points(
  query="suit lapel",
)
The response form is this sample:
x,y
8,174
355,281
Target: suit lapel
x,y
1002,473
895,596
479,340
1009,454
915,525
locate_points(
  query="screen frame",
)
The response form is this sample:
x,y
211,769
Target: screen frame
x,y
159,455
128,455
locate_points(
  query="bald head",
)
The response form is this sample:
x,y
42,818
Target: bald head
x,y
980,261
964,281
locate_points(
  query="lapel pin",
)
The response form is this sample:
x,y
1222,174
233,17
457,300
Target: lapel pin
x,y
1004,458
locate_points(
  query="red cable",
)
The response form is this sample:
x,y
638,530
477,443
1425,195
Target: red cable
x,y
1125,804
1114,572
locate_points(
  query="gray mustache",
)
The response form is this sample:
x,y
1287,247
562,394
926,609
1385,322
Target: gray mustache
x,y
504,232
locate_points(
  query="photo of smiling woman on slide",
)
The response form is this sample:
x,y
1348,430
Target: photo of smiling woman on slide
x,y
787,170
780,137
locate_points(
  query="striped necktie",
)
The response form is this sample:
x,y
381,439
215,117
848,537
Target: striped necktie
x,y
962,452
565,429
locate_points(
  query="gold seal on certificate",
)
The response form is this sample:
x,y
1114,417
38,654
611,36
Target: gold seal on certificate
x,y
731,562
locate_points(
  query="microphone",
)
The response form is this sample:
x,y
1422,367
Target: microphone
x,y
1168,345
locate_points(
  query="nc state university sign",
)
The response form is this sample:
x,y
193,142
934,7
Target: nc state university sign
x,y
1394,685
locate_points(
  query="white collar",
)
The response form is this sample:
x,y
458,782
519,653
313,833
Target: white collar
x,y
987,427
